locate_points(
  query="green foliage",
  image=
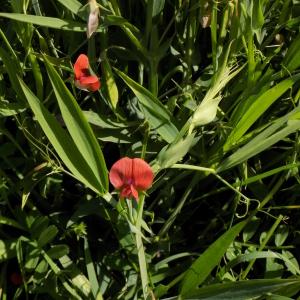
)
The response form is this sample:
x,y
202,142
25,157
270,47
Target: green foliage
x,y
206,92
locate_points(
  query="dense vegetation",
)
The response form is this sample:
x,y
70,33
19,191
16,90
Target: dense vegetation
x,y
206,93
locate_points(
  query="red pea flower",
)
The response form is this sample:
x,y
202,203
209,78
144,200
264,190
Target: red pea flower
x,y
131,176
83,78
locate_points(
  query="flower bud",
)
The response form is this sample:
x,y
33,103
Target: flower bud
x,y
206,112
93,20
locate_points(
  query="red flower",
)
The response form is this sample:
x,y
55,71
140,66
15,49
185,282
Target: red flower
x,y
130,176
83,79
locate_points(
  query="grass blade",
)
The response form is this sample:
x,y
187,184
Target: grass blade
x,y
281,128
61,141
157,115
257,108
203,266
242,290
55,23
79,128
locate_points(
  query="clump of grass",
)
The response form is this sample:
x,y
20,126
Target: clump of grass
x,y
207,93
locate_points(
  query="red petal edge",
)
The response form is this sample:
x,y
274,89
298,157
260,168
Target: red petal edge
x,y
91,83
82,63
142,174
121,172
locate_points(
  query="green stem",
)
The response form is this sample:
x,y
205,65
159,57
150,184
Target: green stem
x,y
210,171
140,249
262,246
179,206
213,27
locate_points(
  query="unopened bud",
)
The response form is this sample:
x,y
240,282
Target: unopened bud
x,y
206,112
93,20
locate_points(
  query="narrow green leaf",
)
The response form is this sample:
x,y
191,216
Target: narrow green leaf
x,y
12,67
79,128
102,121
291,60
10,222
242,290
207,261
257,15
61,141
113,20
157,115
55,23
78,279
58,251
47,235
271,135
7,249
158,6
73,5
257,108
10,109
61,276
112,89
90,269
174,152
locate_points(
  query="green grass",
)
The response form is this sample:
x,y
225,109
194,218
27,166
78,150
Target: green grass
x,y
206,92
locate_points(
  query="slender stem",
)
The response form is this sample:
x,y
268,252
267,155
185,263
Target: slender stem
x,y
262,246
191,167
272,192
212,171
214,35
145,141
140,249
179,206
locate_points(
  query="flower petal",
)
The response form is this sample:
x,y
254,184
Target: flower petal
x,y
120,174
81,65
134,192
126,192
91,83
142,174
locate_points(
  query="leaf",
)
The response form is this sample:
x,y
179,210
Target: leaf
x,y
291,60
49,22
61,141
157,115
250,229
110,84
91,269
79,129
206,112
174,152
73,5
257,108
158,6
242,290
47,235
78,279
207,261
58,251
281,128
12,67
257,15
102,121
281,235
10,222
291,262
265,254
7,249
113,20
